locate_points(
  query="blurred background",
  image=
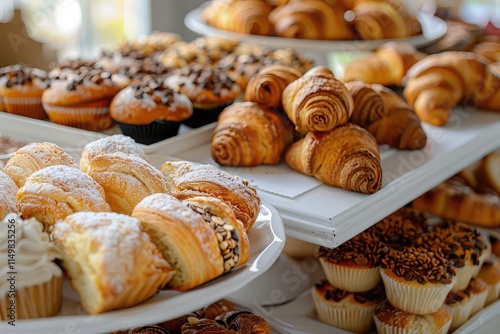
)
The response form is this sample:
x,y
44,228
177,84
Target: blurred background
x,y
39,32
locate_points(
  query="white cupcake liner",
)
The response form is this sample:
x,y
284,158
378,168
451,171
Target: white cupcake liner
x,y
413,297
351,279
479,301
71,111
493,293
356,319
461,313
383,328
464,276
24,106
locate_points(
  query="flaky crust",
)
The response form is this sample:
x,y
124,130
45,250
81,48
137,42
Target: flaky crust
x,y
369,106
8,191
184,238
186,180
126,179
266,86
346,157
248,134
54,192
111,261
317,101
33,157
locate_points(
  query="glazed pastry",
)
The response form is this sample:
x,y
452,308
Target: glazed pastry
x,y
8,191
317,101
400,127
384,20
346,157
437,83
110,260
250,135
387,65
109,144
246,17
33,157
369,106
126,180
488,171
311,19
266,86
54,192
186,180
184,238
489,50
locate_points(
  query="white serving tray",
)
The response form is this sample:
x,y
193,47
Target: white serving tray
x,y
328,216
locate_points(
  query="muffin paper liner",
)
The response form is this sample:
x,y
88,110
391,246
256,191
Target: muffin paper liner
x,y
42,300
350,278
93,119
418,299
388,329
479,301
24,106
150,133
461,313
493,293
464,276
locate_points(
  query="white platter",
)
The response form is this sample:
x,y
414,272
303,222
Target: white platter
x,y
328,216
433,28
267,239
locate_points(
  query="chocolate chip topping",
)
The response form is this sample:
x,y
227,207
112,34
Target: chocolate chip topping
x,y
154,88
137,70
86,75
332,293
148,330
18,75
420,264
363,249
206,77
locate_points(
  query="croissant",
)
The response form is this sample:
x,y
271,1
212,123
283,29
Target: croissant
x,y
266,86
246,17
455,200
8,191
317,101
368,104
437,83
487,171
384,20
311,19
186,180
387,65
250,135
35,156
346,157
400,127
489,49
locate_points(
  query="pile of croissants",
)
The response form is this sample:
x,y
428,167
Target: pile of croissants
x,y
314,19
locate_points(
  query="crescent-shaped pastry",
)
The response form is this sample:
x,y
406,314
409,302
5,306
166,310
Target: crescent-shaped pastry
x,y
32,157
346,157
248,134
233,240
111,261
54,192
368,104
266,86
126,179
186,179
109,144
184,238
8,191
317,101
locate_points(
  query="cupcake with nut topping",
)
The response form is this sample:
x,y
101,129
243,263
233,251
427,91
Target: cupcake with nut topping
x,y
81,99
461,304
354,265
149,111
209,89
416,279
21,89
352,311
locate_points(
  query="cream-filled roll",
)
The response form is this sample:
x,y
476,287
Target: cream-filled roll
x,y
184,238
126,179
54,192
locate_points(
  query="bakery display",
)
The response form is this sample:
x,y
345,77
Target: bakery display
x,y
249,134
21,89
111,261
34,290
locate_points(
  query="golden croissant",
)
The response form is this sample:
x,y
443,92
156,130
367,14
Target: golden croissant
x,y
400,127
317,101
346,157
266,86
311,19
437,83
368,104
250,135
387,65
